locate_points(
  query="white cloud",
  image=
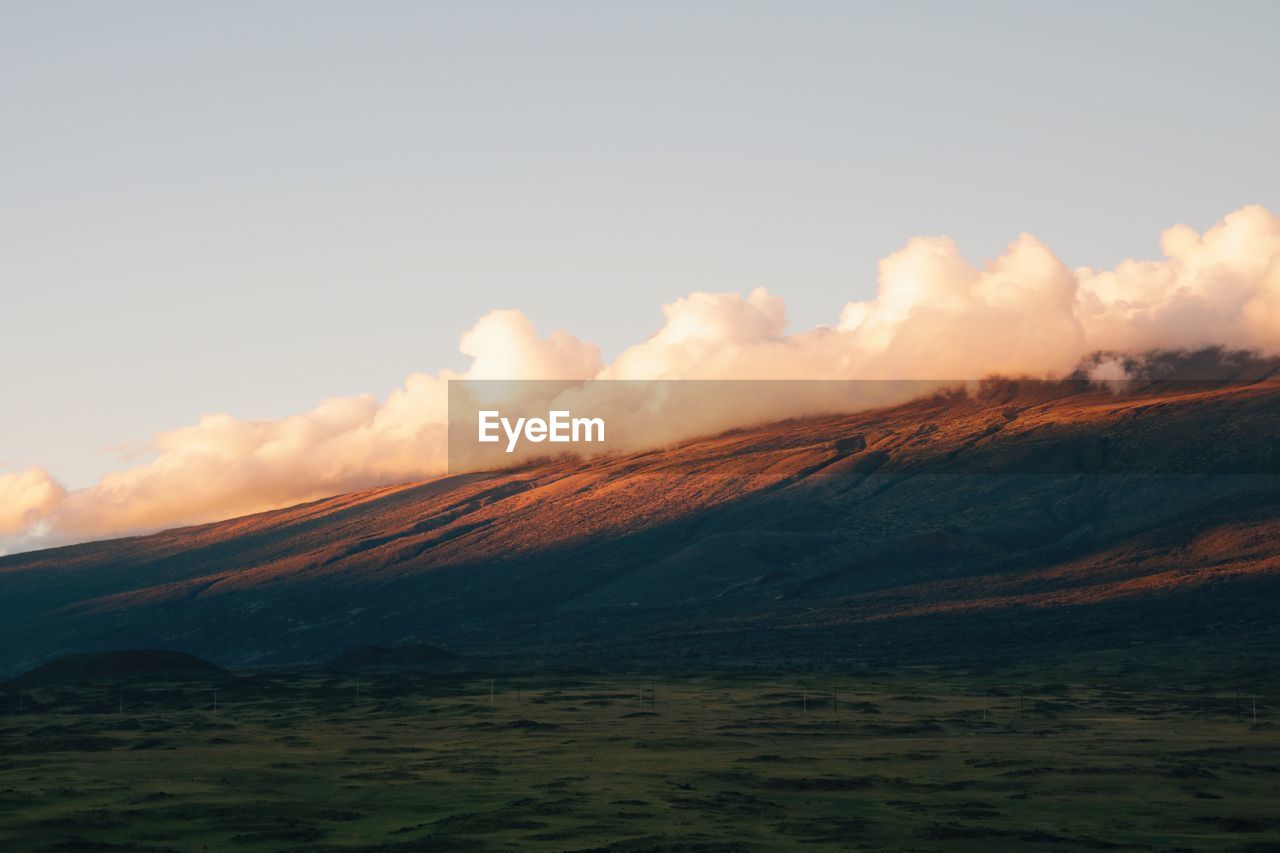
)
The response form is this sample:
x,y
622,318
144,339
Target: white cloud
x,y
936,315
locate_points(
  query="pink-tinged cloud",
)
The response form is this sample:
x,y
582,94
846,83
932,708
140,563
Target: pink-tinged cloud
x,y
27,499
936,315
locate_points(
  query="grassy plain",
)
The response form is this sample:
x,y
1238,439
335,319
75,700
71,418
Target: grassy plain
x,y
1108,757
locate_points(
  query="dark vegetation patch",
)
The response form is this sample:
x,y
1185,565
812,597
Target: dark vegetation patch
x,y
819,783
722,765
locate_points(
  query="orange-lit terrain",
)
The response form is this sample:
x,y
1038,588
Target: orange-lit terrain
x,y
1019,516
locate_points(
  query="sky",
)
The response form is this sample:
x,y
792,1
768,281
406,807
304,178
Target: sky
x,y
251,207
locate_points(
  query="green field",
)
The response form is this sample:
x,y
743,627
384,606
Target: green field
x,y
1105,758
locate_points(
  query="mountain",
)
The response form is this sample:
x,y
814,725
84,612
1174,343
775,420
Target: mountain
x,y
1017,519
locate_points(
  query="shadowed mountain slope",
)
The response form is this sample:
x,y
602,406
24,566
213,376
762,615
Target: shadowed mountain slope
x,y
1018,518
411,656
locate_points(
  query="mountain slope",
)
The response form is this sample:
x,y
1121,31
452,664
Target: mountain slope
x,y
1016,518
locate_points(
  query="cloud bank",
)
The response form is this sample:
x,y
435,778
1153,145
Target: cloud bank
x,y
936,315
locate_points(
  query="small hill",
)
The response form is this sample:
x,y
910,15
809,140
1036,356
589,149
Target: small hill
x,y
408,656
128,663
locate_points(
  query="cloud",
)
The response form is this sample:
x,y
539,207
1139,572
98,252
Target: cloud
x,y
222,466
935,315
27,499
1219,288
505,345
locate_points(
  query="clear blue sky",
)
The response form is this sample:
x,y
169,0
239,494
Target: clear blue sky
x,y
250,206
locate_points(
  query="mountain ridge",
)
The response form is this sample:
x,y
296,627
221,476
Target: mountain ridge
x,y
1018,499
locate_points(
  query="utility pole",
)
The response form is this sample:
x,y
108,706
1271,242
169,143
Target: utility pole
x,y
804,700
215,701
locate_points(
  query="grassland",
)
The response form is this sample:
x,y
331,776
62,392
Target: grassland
x,y
1109,757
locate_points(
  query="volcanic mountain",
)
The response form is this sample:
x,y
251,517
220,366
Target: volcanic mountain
x,y
1014,518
